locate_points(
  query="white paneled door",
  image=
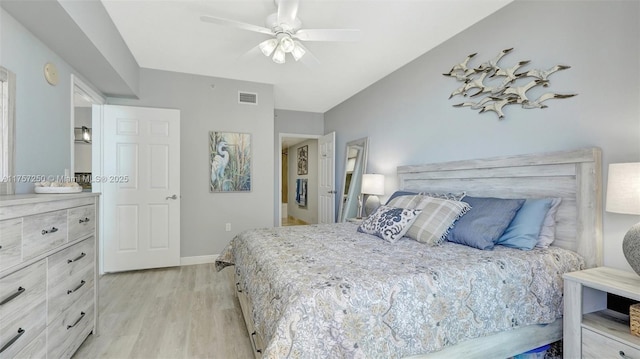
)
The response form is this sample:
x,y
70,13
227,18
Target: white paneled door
x,y
141,188
326,178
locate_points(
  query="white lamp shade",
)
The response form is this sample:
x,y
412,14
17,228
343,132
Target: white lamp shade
x,y
373,184
268,46
279,56
623,188
298,51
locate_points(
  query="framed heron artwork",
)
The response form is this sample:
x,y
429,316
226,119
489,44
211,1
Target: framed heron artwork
x,y
230,162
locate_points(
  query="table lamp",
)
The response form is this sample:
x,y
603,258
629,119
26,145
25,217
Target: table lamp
x,y
623,196
372,186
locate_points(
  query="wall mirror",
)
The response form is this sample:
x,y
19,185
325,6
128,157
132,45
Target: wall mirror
x,y
7,130
355,167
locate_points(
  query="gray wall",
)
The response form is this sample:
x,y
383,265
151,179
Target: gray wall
x,y
309,213
410,121
203,109
43,112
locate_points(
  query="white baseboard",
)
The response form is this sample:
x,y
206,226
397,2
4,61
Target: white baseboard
x,y
188,261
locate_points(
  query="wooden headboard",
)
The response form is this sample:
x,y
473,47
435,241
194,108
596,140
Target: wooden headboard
x,y
575,176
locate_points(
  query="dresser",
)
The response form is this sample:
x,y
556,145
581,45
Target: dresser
x,y
590,329
48,273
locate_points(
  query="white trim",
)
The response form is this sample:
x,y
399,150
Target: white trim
x,y
188,261
96,149
280,137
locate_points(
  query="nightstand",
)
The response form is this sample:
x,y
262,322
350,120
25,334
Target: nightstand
x,y
590,330
356,220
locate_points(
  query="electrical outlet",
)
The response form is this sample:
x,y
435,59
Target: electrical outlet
x,y
227,227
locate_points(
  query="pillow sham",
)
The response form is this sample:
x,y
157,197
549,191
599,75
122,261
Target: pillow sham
x,y
389,223
449,196
548,230
400,194
524,229
438,215
405,201
485,222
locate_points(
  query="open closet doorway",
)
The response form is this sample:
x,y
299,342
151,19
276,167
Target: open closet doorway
x,y
298,195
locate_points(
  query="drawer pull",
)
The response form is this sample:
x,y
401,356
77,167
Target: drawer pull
x,y
254,342
85,220
13,296
77,259
77,321
6,346
623,355
238,287
52,230
82,282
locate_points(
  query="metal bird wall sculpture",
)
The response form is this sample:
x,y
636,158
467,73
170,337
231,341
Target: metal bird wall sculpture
x,y
495,86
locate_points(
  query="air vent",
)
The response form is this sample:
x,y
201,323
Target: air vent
x,y
247,98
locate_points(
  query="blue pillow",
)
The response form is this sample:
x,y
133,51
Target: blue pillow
x,y
485,222
524,229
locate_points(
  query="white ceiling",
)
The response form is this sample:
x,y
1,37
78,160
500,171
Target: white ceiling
x,y
168,35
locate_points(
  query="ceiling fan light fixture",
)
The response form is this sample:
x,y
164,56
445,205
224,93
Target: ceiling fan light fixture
x,y
268,46
287,43
298,51
279,55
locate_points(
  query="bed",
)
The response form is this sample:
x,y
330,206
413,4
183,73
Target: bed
x,y
303,296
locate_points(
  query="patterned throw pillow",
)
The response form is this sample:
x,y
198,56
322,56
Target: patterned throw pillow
x,y
438,215
389,223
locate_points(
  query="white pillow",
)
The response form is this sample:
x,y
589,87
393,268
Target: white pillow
x,y
548,231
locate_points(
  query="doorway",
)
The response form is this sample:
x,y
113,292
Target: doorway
x,y
298,192
82,147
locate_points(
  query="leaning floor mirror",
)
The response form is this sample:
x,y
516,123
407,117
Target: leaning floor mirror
x,y
355,167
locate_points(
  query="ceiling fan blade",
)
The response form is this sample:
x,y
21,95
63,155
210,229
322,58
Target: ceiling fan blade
x,y
236,24
328,35
287,11
309,59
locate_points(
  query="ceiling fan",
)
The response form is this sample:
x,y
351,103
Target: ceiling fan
x,y
286,31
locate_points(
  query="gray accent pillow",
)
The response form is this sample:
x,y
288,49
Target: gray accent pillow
x,y
485,222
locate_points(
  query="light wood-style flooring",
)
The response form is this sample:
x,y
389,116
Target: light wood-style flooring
x,y
181,312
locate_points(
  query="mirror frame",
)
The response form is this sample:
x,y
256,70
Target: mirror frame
x,y
364,143
7,126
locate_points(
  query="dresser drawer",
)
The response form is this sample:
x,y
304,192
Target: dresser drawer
x,y
43,232
23,308
37,348
71,275
10,243
81,221
598,346
71,328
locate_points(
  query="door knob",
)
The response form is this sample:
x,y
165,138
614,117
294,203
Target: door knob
x,y
172,197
